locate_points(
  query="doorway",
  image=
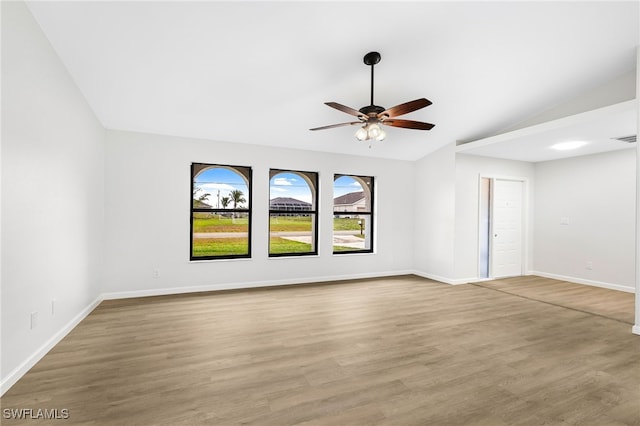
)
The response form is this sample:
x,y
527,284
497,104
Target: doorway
x,y
501,227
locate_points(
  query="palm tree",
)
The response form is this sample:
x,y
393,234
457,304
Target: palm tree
x,y
200,200
237,197
225,202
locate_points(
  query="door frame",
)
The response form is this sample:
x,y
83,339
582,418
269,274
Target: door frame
x,y
526,237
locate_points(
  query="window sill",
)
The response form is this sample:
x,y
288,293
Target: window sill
x,y
237,259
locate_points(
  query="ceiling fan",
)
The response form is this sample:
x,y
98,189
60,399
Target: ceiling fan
x,y
372,116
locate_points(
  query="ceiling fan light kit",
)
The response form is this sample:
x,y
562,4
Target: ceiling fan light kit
x,y
372,116
371,131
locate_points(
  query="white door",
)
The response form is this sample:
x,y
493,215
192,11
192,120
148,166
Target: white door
x,y
506,228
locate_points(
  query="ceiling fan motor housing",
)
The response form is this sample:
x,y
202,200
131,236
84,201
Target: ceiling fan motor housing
x,y
372,58
371,109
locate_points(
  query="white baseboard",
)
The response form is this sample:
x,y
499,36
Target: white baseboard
x,y
610,286
32,360
245,284
452,281
478,280
636,329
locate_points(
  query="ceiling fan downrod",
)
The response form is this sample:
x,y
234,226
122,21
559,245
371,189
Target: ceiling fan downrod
x,y
371,59
372,116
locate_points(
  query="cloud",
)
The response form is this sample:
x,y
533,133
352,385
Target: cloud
x,y
283,181
214,187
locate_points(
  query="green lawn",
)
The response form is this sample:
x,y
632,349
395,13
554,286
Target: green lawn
x,y
346,224
210,223
289,223
279,245
205,222
220,247
343,248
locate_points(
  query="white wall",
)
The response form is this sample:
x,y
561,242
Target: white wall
x,y
147,216
52,195
636,327
469,168
596,193
434,225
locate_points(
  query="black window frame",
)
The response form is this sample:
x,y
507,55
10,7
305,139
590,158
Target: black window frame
x,y
313,212
369,213
245,171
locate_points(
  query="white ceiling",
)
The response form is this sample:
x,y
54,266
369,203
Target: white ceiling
x,y
598,129
259,72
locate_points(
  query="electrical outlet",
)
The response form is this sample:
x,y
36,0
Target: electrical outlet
x,y
34,320
156,273
589,265
53,307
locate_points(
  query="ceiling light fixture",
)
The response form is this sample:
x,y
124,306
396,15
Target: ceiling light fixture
x,y
373,117
371,130
566,146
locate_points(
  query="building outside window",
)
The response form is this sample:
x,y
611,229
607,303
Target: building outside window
x,y
293,201
352,214
220,211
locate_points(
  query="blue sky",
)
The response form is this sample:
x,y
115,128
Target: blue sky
x,y
344,185
293,186
221,181
290,185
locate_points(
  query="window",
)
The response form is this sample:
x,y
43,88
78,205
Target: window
x,y
352,214
293,201
220,211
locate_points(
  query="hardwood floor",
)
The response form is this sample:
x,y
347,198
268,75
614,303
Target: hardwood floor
x,y
616,305
393,351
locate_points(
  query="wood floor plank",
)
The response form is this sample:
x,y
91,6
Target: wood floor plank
x,y
393,351
617,305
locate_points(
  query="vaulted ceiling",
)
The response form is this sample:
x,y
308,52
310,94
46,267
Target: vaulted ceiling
x,y
259,72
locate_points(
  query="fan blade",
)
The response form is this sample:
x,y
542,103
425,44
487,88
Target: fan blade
x,y
405,108
331,126
408,124
346,109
